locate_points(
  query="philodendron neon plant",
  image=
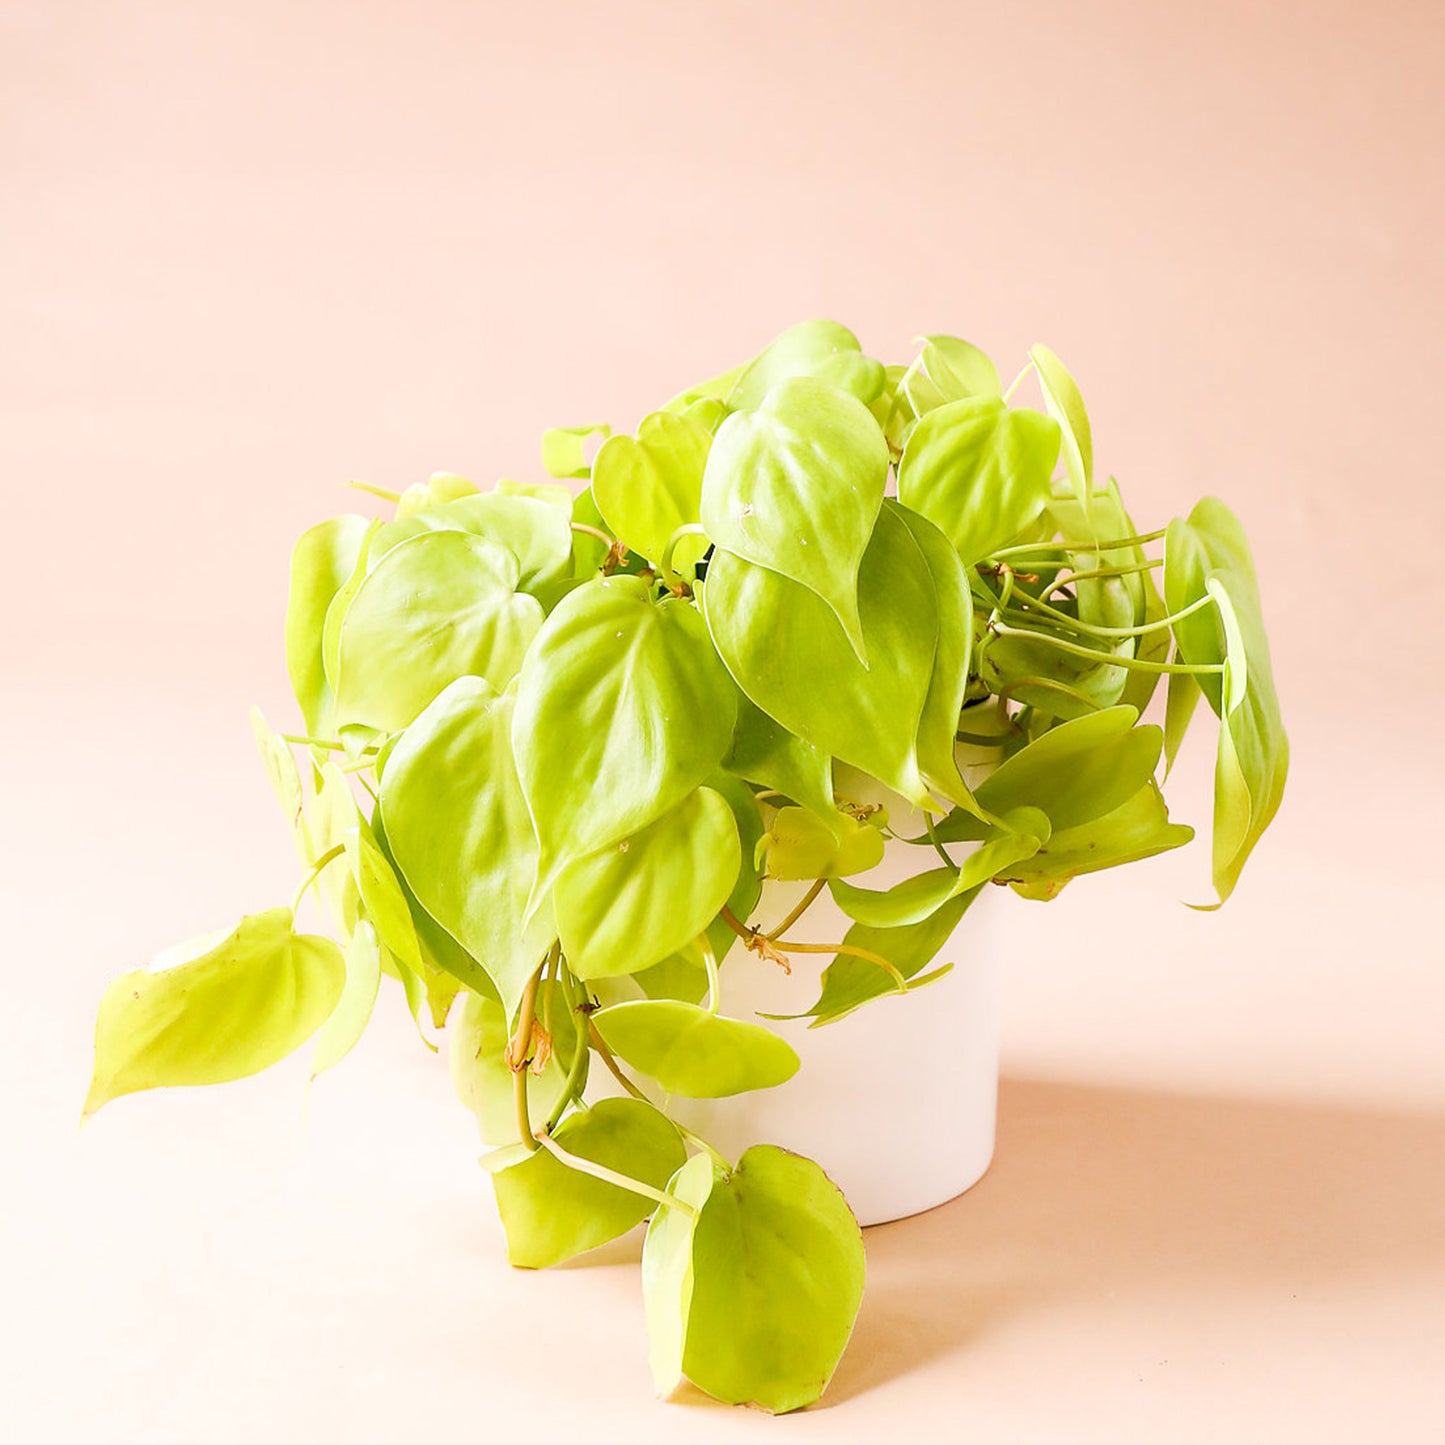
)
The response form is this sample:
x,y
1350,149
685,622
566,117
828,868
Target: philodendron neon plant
x,y
553,744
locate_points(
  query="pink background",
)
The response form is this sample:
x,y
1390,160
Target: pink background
x,y
251,251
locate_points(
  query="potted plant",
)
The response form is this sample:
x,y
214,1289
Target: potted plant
x,y
823,637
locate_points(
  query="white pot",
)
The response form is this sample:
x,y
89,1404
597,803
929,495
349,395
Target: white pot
x,y
897,1101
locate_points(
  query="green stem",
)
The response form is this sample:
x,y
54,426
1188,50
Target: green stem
x,y
802,907
597,532
932,831
709,961
1093,572
304,742
688,529
1132,664
1023,549
613,1067
518,1051
1144,627
789,946
576,1079
327,858
611,1176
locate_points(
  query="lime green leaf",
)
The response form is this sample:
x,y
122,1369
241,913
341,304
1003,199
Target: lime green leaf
x,y
1079,770
634,902
1208,555
367,549
476,1056
383,898
1180,701
802,350
534,531
800,844
748,886
910,901
218,1010
714,389
451,792
849,982
667,1271
938,727
440,487
766,753
343,1030
958,369
438,607
564,449
1066,406
281,770
695,1053
324,558
777,1261
1137,828
795,487
557,495
860,376
622,710
790,655
552,1212
979,471
648,487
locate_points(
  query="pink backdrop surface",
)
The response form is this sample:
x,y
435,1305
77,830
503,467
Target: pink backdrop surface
x,y
251,251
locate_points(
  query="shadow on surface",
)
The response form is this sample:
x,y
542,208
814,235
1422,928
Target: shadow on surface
x,y
1101,1192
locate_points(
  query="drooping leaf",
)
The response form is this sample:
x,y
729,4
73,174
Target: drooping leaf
x,y
648,486
622,710
979,471
667,1271
438,607
800,351
281,770
552,1212
1137,828
451,793
795,486
1180,701
342,1031
637,900
1066,406
790,655
777,1260
850,982
483,1080
1253,759
692,1052
324,558
220,1009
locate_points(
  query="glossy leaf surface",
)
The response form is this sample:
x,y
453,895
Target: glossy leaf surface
x,y
690,1051
220,1009
979,472
790,655
795,487
777,1261
635,901
552,1212
667,1272
322,561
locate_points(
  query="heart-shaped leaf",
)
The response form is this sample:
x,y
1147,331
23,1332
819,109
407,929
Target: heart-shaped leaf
x,y
564,448
790,655
801,350
979,471
795,487
450,792
534,531
552,1212
800,844
218,1009
634,902
438,607
777,1260
622,710
648,486
693,1052
1208,555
